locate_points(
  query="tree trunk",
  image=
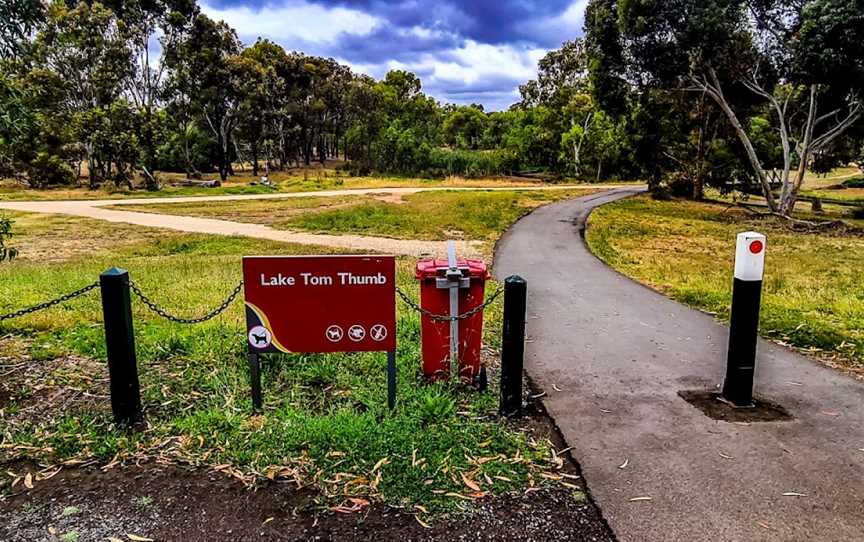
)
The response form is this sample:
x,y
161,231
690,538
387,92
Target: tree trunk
x,y
714,90
254,157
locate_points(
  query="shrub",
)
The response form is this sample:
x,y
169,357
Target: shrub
x,y
446,163
49,169
856,182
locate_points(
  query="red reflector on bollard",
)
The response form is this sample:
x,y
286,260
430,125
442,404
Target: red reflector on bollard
x,y
756,247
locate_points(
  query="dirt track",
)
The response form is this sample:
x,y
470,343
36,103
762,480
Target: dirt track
x,y
96,209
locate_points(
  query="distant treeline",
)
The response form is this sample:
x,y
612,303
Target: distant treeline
x,y
82,92
685,94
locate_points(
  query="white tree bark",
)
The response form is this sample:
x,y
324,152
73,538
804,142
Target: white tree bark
x,y
804,147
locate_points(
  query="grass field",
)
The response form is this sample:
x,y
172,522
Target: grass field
x,y
325,422
437,215
813,289
814,181
850,195
301,180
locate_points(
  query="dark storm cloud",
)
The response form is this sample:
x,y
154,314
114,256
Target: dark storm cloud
x,y
392,43
424,35
486,21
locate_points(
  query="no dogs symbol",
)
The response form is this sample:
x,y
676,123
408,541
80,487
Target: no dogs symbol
x,y
260,337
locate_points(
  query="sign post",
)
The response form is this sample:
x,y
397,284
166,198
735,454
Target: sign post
x,y
744,319
320,304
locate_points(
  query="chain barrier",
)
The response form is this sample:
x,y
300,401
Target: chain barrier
x,y
168,316
446,318
48,304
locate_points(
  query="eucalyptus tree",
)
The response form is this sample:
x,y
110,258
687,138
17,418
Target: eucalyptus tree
x,y
562,88
152,27
203,68
464,127
19,20
795,62
82,59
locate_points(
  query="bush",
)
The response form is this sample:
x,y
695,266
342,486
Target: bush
x,y
858,213
446,162
857,182
49,169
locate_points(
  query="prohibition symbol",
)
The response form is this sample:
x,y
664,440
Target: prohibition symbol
x,y
335,334
378,332
357,333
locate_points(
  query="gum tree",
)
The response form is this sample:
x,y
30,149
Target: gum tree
x,y
799,61
202,68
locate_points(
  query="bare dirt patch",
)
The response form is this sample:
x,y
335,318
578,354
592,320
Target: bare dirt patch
x,y
172,503
714,407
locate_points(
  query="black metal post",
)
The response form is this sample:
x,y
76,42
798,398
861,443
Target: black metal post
x,y
743,335
391,379
120,346
513,345
254,360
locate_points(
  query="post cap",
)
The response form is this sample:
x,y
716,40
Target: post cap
x,y
515,279
750,256
115,272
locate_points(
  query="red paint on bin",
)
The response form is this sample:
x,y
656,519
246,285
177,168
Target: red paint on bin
x,y
435,334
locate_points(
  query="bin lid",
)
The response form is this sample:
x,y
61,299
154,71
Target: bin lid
x,y
428,269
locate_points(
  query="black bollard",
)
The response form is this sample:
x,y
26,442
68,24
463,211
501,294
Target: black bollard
x,y
513,346
254,360
391,379
120,346
744,319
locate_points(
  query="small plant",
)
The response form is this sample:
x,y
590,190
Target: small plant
x,y
6,252
70,511
71,536
436,405
144,502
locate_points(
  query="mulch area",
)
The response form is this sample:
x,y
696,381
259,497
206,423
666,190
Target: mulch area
x,y
171,503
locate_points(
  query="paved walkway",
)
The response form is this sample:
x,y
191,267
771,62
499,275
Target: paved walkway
x,y
619,353
97,209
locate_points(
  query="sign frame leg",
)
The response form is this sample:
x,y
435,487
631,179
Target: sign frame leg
x,y
254,360
391,379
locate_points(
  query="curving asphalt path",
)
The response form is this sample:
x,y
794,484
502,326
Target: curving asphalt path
x,y
619,353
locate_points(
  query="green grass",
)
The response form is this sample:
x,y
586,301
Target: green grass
x,y
813,288
849,195
312,179
431,215
438,215
325,421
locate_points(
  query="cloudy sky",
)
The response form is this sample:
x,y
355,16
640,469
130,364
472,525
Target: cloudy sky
x,y
464,52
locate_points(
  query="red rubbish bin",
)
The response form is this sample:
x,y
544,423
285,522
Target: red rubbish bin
x,y
437,278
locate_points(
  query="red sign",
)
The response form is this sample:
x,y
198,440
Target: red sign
x,y
319,304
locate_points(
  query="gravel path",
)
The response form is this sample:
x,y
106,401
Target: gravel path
x,y
96,209
613,356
